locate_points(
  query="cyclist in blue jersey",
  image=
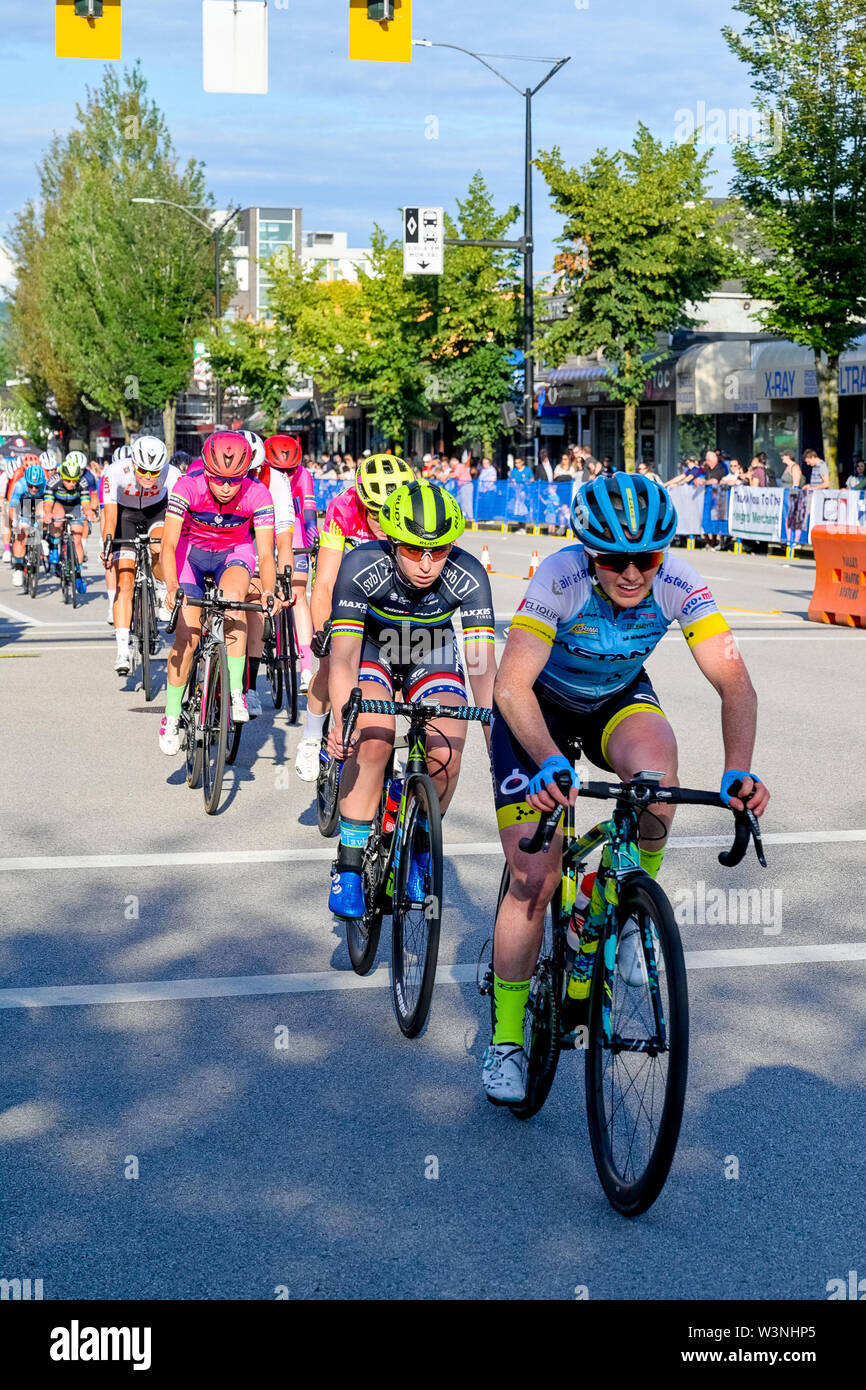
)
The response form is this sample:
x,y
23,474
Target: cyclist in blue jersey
x,y
25,510
573,668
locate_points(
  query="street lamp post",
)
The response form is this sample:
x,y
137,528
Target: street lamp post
x,y
216,233
525,243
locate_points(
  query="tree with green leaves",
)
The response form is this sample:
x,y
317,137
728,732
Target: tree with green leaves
x,y
641,241
803,180
113,292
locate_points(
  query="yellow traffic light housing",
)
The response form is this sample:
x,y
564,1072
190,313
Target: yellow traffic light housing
x,y
87,29
380,31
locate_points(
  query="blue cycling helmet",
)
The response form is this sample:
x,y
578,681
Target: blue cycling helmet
x,y
34,476
627,513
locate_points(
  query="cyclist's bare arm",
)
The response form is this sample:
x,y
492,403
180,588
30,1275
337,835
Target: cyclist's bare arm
x,y
720,661
523,660
265,552
480,662
171,530
327,568
342,679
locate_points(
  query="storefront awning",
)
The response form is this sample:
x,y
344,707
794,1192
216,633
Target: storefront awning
x,y
562,376
786,371
706,377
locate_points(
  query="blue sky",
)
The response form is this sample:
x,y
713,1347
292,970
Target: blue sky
x,y
346,141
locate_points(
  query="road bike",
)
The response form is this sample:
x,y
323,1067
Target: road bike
x,y
402,863
280,652
35,556
70,570
634,1025
143,627
210,736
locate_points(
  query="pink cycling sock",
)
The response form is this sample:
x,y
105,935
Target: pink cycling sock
x,y
306,656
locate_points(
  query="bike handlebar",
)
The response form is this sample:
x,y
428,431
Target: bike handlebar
x,y
421,713
217,600
640,793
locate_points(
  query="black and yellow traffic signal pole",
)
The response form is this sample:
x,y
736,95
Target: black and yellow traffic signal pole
x,y
87,29
380,31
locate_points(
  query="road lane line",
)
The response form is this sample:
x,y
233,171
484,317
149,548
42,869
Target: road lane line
x,y
21,617
464,849
323,981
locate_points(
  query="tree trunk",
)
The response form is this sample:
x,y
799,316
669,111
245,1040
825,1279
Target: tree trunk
x,y
169,416
827,369
127,426
629,431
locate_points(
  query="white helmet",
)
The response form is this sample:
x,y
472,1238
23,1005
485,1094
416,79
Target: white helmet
x,y
9,466
149,454
122,454
257,446
47,462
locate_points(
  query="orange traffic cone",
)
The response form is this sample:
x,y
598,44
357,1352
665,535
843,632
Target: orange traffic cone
x,y
485,558
533,563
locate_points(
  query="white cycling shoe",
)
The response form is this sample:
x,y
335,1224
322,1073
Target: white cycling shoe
x,y
18,579
169,735
123,664
306,677
503,1073
254,704
240,712
630,959
307,759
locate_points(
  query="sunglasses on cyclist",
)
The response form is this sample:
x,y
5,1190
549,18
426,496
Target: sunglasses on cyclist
x,y
620,563
148,472
220,479
416,552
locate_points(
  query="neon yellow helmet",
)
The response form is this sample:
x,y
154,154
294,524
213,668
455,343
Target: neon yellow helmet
x,y
379,476
422,513
73,466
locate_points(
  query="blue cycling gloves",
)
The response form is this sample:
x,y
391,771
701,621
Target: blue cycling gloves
x,y
546,772
733,776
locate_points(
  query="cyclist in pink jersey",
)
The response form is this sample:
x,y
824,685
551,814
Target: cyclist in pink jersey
x,y
207,532
283,452
352,517
277,485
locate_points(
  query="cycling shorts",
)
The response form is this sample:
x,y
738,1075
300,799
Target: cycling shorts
x,y
133,521
512,767
442,674
194,564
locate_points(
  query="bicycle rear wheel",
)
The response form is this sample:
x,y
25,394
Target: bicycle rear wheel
x,y
328,788
215,727
191,716
362,934
417,906
233,741
541,1028
637,1058
72,578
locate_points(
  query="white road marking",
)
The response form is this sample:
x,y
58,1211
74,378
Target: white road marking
x,y
467,849
315,982
21,617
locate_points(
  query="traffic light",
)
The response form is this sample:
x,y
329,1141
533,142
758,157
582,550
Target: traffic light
x,y
87,29
380,31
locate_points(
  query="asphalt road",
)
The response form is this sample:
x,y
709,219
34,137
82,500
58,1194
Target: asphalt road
x,y
305,1166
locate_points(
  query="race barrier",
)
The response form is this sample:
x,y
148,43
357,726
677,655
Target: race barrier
x,y
774,515
840,576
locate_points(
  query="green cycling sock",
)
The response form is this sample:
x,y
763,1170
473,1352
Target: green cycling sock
x,y
651,861
509,1007
236,673
173,700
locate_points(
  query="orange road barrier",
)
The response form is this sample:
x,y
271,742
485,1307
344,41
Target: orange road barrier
x,y
533,563
840,575
485,558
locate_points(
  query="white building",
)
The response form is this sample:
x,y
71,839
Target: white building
x,y
337,260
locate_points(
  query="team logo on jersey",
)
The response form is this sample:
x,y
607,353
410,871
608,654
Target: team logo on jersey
x,y
459,580
698,599
369,579
538,610
584,629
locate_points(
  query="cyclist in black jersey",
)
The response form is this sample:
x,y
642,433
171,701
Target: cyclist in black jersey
x,y
393,605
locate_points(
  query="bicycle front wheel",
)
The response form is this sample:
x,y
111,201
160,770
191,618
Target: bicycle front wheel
x,y
417,907
144,616
33,573
290,663
191,717
328,789
637,1057
215,727
275,674
72,575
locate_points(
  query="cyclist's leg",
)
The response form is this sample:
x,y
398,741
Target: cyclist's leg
x,y
78,540
233,574
303,617
635,736
154,533
441,679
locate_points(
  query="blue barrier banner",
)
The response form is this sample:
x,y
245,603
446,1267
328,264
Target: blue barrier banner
x,y
523,504
714,521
